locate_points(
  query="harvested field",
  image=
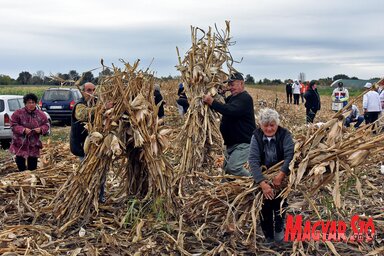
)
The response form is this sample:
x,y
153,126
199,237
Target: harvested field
x,y
213,217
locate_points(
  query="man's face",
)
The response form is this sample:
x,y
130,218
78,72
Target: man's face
x,y
236,87
269,129
89,90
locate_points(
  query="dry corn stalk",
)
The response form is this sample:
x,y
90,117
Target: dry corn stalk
x,y
128,134
202,73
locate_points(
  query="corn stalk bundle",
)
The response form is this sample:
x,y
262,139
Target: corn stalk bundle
x,y
201,73
328,150
327,155
128,135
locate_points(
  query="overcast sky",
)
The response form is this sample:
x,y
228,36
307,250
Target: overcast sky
x,y
277,39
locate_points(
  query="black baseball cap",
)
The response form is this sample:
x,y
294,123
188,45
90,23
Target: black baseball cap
x,y
235,76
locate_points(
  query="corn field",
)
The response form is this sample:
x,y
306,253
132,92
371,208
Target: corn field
x,y
166,193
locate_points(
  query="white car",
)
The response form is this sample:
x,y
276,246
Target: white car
x,y
8,105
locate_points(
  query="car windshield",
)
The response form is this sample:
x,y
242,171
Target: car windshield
x,y
56,95
14,104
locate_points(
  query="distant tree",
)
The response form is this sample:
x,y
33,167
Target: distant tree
x,y
6,80
325,81
36,80
49,81
340,76
249,79
168,78
276,81
73,75
64,76
106,72
260,82
302,77
87,77
24,77
354,78
266,81
40,74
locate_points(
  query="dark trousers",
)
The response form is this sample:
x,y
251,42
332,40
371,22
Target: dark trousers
x,y
371,117
271,219
31,163
296,99
302,97
358,121
289,97
310,115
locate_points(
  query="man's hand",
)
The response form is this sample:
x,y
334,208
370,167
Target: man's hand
x,y
278,179
267,190
207,99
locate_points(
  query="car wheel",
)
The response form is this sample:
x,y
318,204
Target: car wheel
x,y
5,144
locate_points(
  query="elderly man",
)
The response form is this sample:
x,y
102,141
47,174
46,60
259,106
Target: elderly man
x,y
237,124
271,144
83,112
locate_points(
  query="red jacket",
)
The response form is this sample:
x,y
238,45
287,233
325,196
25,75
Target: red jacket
x,y
30,145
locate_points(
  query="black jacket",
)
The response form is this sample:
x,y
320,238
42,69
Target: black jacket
x,y
238,121
284,151
158,98
288,88
312,100
78,133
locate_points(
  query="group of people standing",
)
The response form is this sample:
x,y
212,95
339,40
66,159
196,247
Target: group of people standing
x,y
308,94
295,90
264,144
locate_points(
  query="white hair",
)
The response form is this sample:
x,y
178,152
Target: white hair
x,y
268,115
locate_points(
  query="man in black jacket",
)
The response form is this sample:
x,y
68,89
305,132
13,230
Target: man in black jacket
x,y
288,90
312,102
237,124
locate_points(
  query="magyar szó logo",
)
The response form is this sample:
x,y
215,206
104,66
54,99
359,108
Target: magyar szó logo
x,y
329,230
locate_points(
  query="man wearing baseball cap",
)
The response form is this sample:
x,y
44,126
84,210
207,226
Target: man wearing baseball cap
x,y
237,124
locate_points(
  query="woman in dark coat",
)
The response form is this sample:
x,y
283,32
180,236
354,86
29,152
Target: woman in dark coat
x,y
312,102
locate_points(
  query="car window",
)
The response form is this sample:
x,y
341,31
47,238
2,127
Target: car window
x,y
2,106
13,104
21,102
56,95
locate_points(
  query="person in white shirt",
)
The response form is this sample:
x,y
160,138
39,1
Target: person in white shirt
x,y
380,91
296,92
354,116
371,104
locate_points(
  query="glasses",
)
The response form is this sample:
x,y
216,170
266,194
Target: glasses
x,y
30,103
